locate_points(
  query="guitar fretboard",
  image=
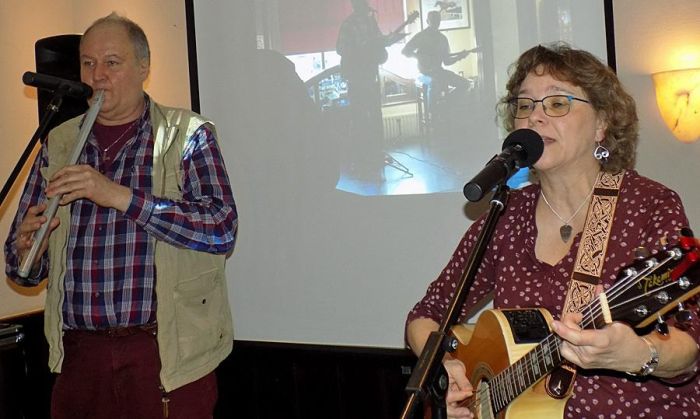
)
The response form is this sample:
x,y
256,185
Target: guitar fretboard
x,y
518,377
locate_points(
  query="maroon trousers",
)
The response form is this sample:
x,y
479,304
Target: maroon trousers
x,y
116,377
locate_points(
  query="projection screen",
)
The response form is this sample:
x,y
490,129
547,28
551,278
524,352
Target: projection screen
x,y
341,231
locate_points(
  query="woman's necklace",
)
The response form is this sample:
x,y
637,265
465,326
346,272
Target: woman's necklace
x,y
117,141
566,229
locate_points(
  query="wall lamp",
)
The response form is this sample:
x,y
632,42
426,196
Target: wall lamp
x,y
678,97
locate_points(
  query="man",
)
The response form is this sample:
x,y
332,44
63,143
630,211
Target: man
x,y
432,50
136,315
362,48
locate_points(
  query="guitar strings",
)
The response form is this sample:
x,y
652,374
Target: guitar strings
x,y
503,386
594,309
626,283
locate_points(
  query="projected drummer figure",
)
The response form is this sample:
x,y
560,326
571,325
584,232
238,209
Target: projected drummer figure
x,y
362,47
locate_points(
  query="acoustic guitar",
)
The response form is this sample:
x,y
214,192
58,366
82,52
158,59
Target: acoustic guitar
x,y
508,352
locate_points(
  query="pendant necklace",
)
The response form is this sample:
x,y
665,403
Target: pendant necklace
x,y
566,229
115,142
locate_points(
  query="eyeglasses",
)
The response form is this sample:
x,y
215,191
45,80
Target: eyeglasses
x,y
555,105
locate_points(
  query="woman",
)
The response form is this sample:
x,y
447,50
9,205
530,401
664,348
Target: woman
x,y
588,124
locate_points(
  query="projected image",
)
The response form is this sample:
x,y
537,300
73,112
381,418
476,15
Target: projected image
x,y
401,85
341,227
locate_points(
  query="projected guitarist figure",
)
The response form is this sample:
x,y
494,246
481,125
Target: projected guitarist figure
x,y
362,48
432,50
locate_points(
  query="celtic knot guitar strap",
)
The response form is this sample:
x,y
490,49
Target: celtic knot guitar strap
x,y
588,267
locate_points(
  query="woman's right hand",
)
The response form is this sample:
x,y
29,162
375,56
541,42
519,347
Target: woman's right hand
x,y
417,333
459,389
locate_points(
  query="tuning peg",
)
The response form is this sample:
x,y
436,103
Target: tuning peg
x,y
683,316
641,253
661,326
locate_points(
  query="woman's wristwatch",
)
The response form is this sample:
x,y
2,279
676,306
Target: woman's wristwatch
x,y
649,366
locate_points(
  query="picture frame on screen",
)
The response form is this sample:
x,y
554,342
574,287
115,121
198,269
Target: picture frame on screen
x,y
454,13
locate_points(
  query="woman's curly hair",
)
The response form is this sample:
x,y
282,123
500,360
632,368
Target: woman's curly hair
x,y
601,86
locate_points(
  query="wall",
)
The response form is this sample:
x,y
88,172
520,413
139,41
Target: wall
x,y
24,22
20,27
652,36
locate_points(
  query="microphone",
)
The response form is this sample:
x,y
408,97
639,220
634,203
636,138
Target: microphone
x,y
69,87
522,148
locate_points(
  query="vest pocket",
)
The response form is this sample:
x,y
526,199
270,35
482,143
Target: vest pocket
x,y
198,305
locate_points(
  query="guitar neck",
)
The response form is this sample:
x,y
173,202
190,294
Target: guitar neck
x,y
399,29
525,372
411,18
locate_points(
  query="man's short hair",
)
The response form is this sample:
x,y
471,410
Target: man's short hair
x,y
434,15
136,35
359,5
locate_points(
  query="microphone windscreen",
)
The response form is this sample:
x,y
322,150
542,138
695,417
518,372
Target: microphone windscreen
x,y
530,141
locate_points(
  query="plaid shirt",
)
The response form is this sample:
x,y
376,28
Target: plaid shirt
x,y
110,276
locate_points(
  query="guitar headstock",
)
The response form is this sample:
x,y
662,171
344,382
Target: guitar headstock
x,y
412,17
656,284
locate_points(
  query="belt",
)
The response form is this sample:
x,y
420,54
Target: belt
x,y
117,332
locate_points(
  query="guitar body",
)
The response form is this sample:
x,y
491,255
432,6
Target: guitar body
x,y
499,339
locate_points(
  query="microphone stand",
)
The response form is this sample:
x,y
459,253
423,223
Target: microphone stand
x,y
51,110
429,380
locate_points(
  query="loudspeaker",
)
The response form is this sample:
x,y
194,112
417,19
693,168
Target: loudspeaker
x,y
13,376
59,56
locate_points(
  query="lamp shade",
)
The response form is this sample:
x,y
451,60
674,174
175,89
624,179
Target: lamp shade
x,y
678,98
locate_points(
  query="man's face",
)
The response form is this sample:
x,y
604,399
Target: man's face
x,y
108,62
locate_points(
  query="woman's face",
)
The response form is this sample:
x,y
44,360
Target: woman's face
x,y
569,140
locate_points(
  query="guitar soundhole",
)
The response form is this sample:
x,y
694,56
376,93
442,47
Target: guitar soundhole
x,y
528,326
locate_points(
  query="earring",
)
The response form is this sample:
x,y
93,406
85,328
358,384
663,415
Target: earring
x,y
601,153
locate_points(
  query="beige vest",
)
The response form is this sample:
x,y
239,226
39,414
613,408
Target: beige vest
x,y
195,328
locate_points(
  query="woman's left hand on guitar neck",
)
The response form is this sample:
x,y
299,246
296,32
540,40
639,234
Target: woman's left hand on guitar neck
x,y
617,347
